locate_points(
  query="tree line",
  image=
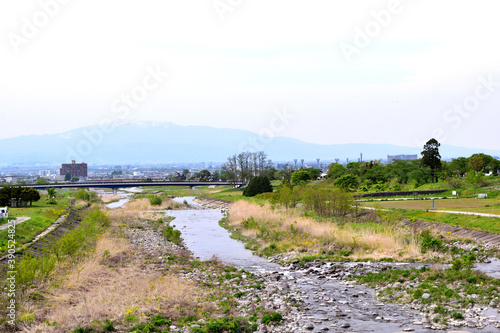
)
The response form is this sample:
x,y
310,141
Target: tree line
x,y
19,194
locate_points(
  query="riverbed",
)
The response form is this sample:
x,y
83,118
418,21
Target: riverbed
x,y
331,304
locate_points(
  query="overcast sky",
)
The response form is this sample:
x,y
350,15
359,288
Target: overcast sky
x,y
325,72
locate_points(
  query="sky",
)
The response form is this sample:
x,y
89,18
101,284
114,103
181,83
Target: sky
x,y
322,71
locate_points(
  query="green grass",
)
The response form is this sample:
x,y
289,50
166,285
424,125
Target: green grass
x,y
237,194
487,224
42,216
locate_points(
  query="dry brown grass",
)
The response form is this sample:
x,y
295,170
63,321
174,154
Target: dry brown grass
x,y
142,209
110,197
109,284
365,239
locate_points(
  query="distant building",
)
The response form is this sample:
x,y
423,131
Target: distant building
x,y
391,158
74,169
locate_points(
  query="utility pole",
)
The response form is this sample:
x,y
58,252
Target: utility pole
x,y
302,162
317,160
295,161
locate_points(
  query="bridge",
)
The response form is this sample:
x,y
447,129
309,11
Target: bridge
x,y
115,185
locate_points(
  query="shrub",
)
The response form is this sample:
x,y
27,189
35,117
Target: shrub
x,y
155,200
430,243
275,317
258,185
171,234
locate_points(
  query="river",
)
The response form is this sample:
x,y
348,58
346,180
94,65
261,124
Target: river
x,y
330,303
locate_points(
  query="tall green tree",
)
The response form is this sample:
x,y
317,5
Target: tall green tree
x,y
431,157
5,195
30,195
301,176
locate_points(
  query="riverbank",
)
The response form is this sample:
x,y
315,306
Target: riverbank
x,y
134,277
436,298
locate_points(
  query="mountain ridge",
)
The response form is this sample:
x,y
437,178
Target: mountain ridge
x,y
166,142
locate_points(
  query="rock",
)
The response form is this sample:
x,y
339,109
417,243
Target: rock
x,y
309,326
426,296
345,325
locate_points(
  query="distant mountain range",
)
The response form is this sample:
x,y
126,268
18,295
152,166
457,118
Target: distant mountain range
x,y
152,142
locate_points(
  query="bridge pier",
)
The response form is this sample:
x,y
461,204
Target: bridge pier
x,y
115,190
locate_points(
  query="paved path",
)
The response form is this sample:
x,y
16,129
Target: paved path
x,y
464,213
18,221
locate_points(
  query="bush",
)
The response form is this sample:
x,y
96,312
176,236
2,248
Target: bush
x,y
275,317
155,200
327,201
171,234
430,243
258,185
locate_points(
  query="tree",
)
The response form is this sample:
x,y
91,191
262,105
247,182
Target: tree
x,y
204,175
431,157
51,196
335,171
75,179
347,182
42,181
300,176
67,178
258,185
216,176
327,201
286,196
458,167
5,195
30,195
315,173
475,179
476,163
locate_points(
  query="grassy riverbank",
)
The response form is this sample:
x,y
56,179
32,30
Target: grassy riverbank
x,y
41,215
270,231
124,271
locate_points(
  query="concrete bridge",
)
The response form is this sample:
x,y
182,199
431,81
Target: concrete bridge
x,y
115,185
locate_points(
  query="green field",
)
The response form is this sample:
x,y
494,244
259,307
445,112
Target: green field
x,y
42,216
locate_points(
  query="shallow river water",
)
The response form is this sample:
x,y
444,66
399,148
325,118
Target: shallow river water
x,y
330,303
